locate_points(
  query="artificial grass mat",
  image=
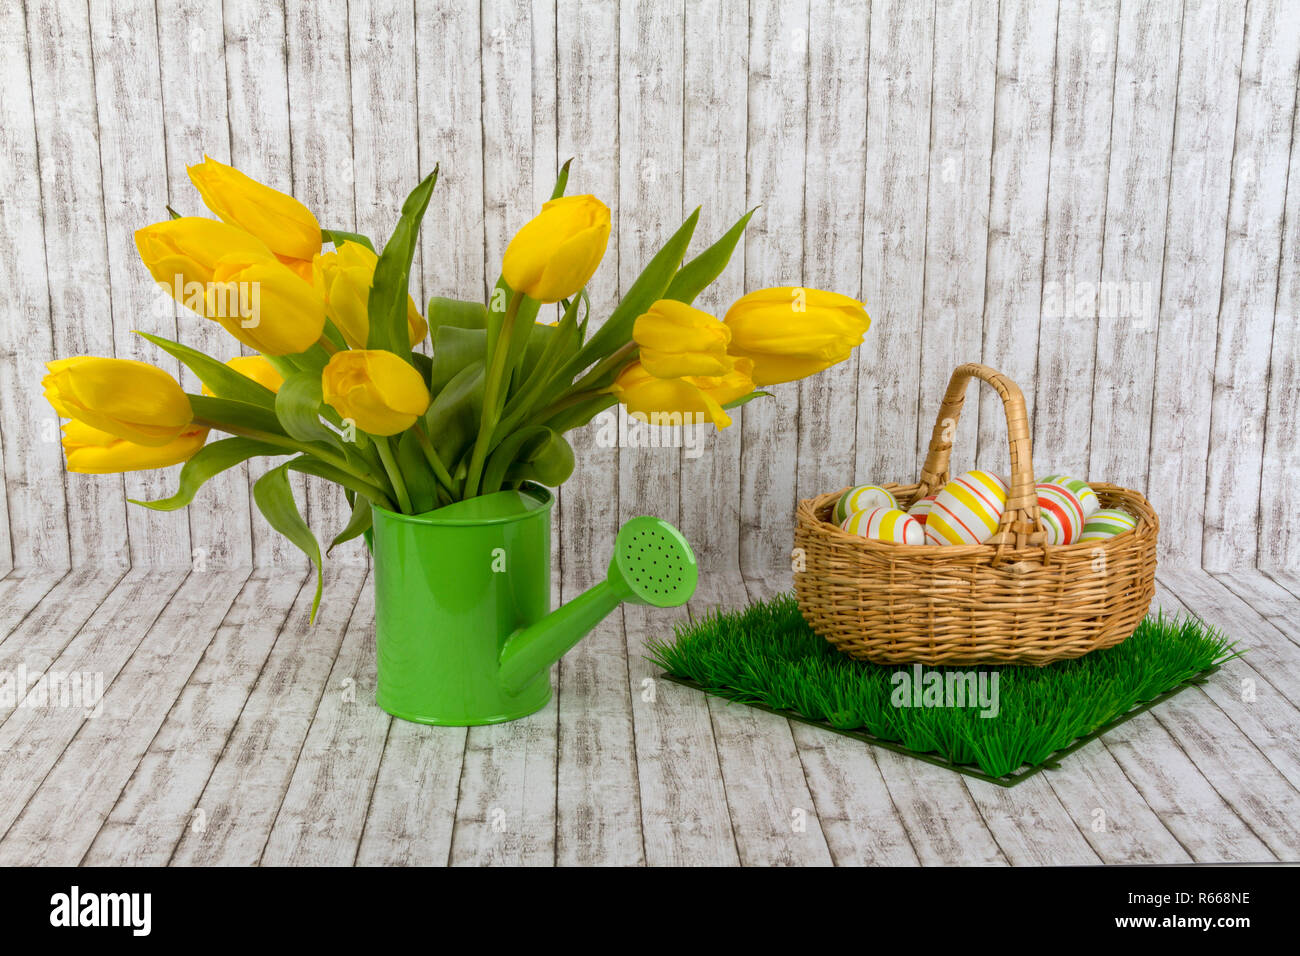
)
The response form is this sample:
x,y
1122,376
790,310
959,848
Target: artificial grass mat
x,y
767,656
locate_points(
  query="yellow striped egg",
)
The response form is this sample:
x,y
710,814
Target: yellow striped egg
x,y
967,510
862,498
1061,512
1107,523
1081,490
921,508
885,524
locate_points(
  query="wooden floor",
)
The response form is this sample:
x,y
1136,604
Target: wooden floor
x,y
233,733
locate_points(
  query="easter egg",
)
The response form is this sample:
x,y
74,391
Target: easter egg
x,y
1061,512
1107,523
1081,489
967,510
921,508
862,498
885,524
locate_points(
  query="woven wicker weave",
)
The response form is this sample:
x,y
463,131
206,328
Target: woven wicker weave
x,y
1010,600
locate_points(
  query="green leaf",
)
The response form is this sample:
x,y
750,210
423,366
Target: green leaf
x,y
746,399
225,411
358,524
391,288
223,380
562,181
298,406
339,236
453,350
212,459
457,313
274,498
645,291
421,484
452,420
694,277
531,454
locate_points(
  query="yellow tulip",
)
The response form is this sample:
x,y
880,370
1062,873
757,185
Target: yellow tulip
x,y
374,388
554,255
90,451
263,304
128,400
792,333
344,277
676,339
184,252
258,369
648,395
285,225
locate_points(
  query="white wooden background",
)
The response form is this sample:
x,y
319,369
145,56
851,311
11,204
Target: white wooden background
x,y
950,163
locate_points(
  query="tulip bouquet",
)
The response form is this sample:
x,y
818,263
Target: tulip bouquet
x,y
338,388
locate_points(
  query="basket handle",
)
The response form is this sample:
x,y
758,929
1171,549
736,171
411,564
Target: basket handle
x,y
1020,525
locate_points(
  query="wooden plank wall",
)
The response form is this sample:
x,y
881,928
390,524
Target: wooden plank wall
x,y
1099,198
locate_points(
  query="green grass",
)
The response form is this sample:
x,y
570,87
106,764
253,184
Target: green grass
x,y
767,656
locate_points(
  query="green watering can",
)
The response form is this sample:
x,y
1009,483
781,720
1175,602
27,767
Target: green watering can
x,y
464,631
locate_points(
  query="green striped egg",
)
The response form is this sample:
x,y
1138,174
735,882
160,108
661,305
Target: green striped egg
x,y
1107,523
1081,489
862,498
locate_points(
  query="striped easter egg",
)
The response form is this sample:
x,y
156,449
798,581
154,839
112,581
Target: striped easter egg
x,y
1081,489
921,508
1061,511
885,524
967,510
1107,523
862,498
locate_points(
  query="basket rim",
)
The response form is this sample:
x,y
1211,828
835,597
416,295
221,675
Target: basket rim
x,y
806,515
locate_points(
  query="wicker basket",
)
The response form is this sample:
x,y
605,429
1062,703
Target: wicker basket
x,y
1010,600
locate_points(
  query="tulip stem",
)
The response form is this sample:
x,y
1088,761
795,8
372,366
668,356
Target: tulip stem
x,y
431,454
618,357
365,482
492,397
394,475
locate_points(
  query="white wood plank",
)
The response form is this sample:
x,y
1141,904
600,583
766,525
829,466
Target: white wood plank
x,y
858,818
1279,480
1266,112
33,522
893,240
243,793
839,38
598,801
160,803
321,154
961,138
449,92
260,147
775,163
323,815
713,149
20,593
62,817
192,71
132,163
1193,273
685,820
774,815
1076,213
650,91
1022,145
72,207
36,732
1137,202
587,59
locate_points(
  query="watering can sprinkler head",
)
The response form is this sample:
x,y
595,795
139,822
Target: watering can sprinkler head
x,y
652,564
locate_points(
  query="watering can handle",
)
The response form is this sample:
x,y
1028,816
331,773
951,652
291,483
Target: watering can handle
x,y
531,650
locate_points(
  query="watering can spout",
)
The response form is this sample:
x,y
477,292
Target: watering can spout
x,y
652,564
